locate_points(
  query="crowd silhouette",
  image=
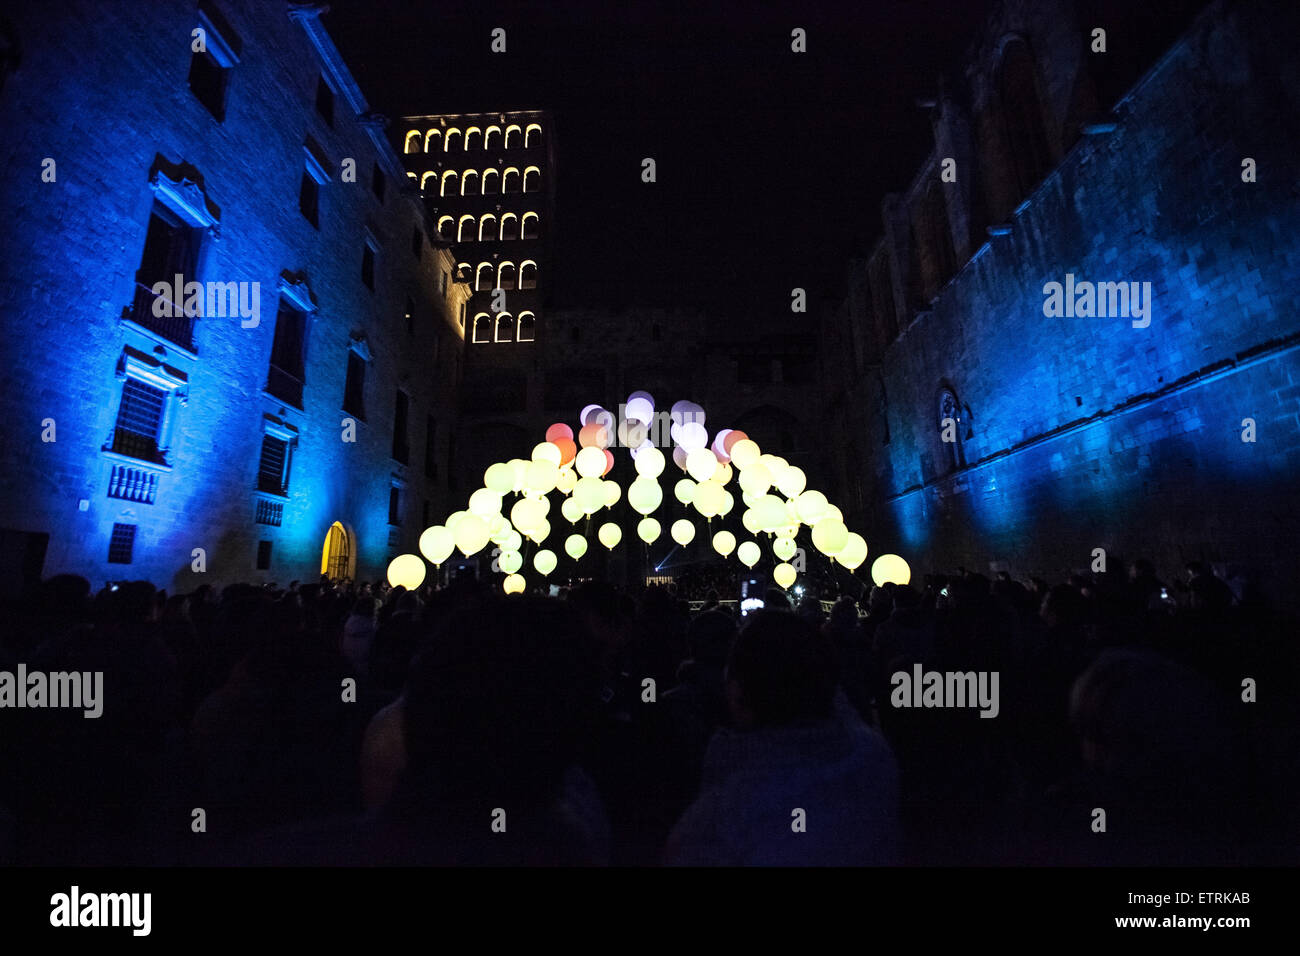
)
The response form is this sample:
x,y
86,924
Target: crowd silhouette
x,y
342,724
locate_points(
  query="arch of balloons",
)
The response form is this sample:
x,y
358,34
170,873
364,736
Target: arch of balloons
x,y
776,500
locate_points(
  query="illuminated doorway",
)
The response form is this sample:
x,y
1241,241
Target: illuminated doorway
x,y
336,560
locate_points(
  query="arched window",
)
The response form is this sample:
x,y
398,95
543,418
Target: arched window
x,y
413,178
527,327
413,141
509,226
451,140
514,136
424,179
492,138
491,182
433,141
532,179
483,278
482,327
473,138
464,273
510,180
506,276
487,228
1022,117
505,327
447,228
951,430
469,182
531,225
528,274
533,136
449,183
467,230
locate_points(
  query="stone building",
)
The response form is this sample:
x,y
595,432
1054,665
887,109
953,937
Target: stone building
x,y
980,415
286,405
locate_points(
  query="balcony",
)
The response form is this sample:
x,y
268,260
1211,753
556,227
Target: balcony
x,y
129,483
269,512
177,328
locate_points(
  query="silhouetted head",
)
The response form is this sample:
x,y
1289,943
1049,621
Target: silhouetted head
x,y
780,672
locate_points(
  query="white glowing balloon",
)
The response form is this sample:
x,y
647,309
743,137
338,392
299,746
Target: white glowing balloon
x,y
546,451
544,561
406,570
485,503
437,544
749,553
890,569
648,530
571,510
749,518
590,462
527,514
510,561
684,491
610,534
683,532
575,546
691,435
755,479
540,531
650,462
724,542
784,548
744,453
792,482
645,495
640,408
471,534
701,463
612,493
811,506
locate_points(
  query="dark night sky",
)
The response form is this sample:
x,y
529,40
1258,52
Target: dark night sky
x,y
771,165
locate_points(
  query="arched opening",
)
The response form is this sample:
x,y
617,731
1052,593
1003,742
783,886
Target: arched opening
x,y
468,229
483,278
505,327
451,140
1025,137
414,140
424,179
482,327
487,228
531,225
449,183
533,136
951,430
338,556
469,183
473,138
506,276
527,327
433,141
491,182
492,137
532,179
514,135
509,226
528,274
447,228
510,180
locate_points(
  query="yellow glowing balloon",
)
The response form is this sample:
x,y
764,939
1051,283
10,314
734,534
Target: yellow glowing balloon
x,y
811,506
701,463
724,542
784,548
471,534
723,474
612,493
540,531
485,503
527,514
683,532
649,462
510,561
645,495
406,570
830,536
784,574
749,553
513,584
792,482
610,534
590,462
590,495
854,553
500,478
756,479
749,518
890,569
709,498
575,546
684,491
541,476
648,530
517,469
571,510
512,541
728,502
437,544
453,519
545,451
744,453
544,561
565,480
771,512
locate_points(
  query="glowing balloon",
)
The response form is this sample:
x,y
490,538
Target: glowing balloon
x,y
749,518
567,449
485,503
683,532
594,435
575,546
648,530
830,536
744,453
701,464
771,512
589,413
612,493
684,491
610,534
471,534
724,542
590,494
645,495
546,451
833,512
517,468
640,408
437,544
406,570
500,529
590,462
513,584
890,569
784,548
571,510
756,479
453,519
719,445
609,461
565,480
784,574
723,474
540,531
559,430
500,478
540,477
709,498
728,502
631,433
854,552
650,462
732,435
692,435
510,561
544,561
527,514
748,553
512,541
792,482
811,506
679,457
